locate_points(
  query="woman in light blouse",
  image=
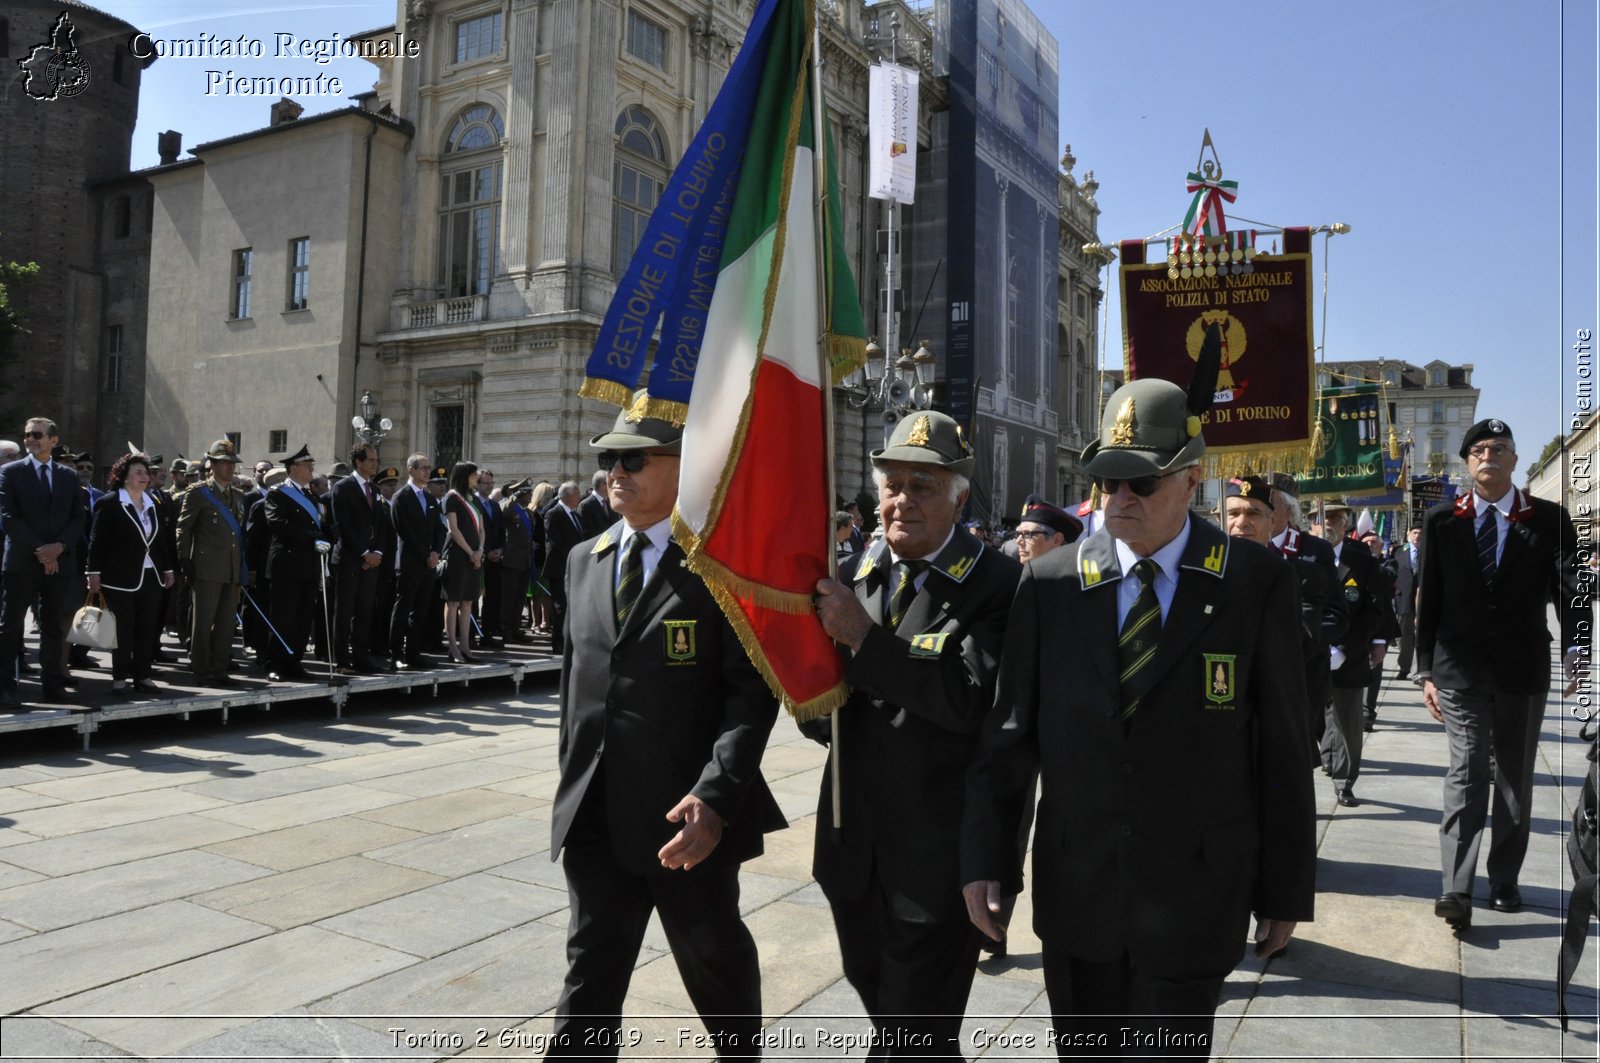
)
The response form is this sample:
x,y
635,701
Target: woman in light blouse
x,y
130,562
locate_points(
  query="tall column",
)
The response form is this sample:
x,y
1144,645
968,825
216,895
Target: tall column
x,y
566,51
521,107
1003,377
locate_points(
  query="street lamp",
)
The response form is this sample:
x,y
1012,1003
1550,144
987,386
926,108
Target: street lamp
x,y
905,387
370,428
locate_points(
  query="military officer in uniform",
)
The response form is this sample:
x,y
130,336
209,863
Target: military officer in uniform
x,y
299,529
211,555
1043,528
1492,563
920,617
1151,672
1323,615
1361,586
663,723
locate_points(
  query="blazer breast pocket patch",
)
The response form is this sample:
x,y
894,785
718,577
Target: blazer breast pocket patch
x,y
681,647
930,644
1220,680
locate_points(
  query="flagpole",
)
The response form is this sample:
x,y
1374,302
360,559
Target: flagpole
x,y
819,136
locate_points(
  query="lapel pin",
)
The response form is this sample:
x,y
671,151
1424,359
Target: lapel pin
x,y
1208,610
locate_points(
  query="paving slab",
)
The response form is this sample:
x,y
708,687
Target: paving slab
x,y
116,845
34,1037
264,785
537,869
46,967
305,895
1372,942
16,799
80,816
20,776
1507,1021
449,811
446,778
156,776
12,875
312,843
50,904
165,1011
308,806
301,1036
1295,1018
447,916
475,847
10,931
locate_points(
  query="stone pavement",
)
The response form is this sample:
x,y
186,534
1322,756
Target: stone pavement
x,y
380,888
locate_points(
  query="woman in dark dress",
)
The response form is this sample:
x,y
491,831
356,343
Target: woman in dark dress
x,y
130,561
463,559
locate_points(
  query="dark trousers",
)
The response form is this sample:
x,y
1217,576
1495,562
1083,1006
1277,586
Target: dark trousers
x,y
213,612
558,619
1319,686
513,600
1112,1009
490,612
51,597
913,977
1480,721
256,633
136,612
294,611
1408,643
415,591
1372,693
382,610
354,589
609,909
1343,737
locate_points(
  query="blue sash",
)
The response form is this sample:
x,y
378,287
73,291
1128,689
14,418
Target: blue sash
x,y
306,504
233,524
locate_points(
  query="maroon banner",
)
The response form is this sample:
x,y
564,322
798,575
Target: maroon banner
x,y
1261,418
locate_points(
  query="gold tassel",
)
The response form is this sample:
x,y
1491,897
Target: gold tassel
x,y
845,355
662,409
605,391
1394,444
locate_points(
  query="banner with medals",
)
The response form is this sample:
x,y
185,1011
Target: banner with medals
x,y
1262,414
1348,456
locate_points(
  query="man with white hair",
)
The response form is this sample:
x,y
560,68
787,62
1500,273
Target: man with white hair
x,y
920,618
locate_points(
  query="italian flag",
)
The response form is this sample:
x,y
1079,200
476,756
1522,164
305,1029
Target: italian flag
x,y
755,506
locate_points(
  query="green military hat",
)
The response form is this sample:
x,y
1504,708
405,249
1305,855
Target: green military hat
x,y
929,438
517,488
387,475
634,431
179,465
1147,429
222,450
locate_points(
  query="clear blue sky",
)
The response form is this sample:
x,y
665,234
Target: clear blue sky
x,y
1434,128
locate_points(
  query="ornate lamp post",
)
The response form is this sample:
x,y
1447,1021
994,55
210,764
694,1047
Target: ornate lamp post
x,y
906,387
370,427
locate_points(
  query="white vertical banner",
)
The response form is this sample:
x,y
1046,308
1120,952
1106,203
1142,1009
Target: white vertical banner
x,y
892,136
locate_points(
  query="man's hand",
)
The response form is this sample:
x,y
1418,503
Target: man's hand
x,y
702,830
1430,698
167,578
433,561
1378,651
1272,935
983,904
494,555
48,552
843,616
370,559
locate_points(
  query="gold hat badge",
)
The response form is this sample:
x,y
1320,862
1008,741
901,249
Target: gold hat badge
x,y
1122,429
919,433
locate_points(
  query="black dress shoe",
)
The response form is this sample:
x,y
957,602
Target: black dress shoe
x,y
1455,909
223,681
146,686
1346,798
1505,898
70,681
55,696
9,700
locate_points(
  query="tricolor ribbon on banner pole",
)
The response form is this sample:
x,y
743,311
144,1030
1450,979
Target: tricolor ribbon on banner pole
x,y
1205,216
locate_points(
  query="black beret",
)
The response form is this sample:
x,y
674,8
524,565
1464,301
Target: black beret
x,y
1493,428
1252,487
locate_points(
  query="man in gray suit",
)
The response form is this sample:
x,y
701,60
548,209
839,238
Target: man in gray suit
x,y
663,723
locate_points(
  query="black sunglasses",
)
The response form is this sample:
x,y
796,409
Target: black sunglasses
x,y
36,435
1143,486
631,460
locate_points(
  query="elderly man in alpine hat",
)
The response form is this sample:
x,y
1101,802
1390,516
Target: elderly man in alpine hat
x,y
211,557
1152,673
920,617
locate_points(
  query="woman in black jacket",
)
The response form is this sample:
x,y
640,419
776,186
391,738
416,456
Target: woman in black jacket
x,y
130,560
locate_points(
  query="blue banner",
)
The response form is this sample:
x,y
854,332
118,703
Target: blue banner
x,y
674,270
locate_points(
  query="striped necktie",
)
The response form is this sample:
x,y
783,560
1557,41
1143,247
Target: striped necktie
x,y
1136,645
631,581
1488,543
905,589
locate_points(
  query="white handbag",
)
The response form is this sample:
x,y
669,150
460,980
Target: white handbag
x,y
94,625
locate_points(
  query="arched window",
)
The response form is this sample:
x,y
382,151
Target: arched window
x,y
640,175
469,202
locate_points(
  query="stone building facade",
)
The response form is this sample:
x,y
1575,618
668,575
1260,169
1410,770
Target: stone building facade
x,y
1077,329
52,153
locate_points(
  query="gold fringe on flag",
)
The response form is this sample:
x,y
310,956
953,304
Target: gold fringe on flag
x,y
1250,461
845,355
605,391
712,570
661,409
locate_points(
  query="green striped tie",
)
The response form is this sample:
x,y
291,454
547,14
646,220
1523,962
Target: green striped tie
x,y
632,579
1136,645
905,589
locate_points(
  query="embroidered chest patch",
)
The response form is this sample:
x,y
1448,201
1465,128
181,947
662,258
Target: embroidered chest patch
x,y
680,640
930,644
1220,688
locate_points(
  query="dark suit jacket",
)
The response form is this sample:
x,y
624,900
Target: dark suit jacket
x,y
517,538
420,532
292,552
560,536
1364,590
32,520
597,515
257,537
357,522
1323,615
1469,634
119,546
653,727
1405,581
909,729
1157,835
494,528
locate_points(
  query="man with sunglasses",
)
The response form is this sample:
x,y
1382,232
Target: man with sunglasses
x,y
663,723
1152,674
42,511
1492,562
1043,528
